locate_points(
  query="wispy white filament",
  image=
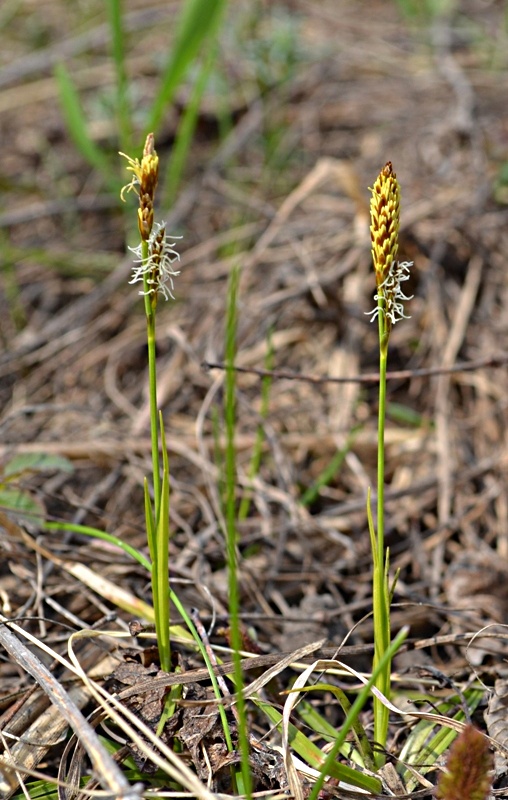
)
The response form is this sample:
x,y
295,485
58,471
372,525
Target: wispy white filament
x,y
392,294
158,267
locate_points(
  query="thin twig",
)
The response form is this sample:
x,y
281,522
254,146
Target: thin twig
x,y
492,362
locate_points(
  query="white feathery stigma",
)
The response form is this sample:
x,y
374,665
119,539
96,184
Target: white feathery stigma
x,y
389,290
158,267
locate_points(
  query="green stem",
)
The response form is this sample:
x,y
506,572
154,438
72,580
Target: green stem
x,y
244,781
381,601
381,455
157,513
152,385
160,577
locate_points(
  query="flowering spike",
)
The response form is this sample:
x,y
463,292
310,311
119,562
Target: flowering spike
x,y
384,233
384,216
145,176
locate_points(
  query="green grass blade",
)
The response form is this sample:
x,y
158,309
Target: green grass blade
x,y
399,412
123,112
355,710
424,748
184,136
328,474
363,755
85,530
77,127
206,658
23,463
150,522
315,758
218,455
198,20
357,729
21,503
38,790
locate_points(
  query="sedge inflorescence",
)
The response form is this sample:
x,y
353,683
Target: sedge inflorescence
x,y
155,255
384,232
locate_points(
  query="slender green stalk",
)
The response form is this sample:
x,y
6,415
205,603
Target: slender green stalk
x,y
380,582
231,530
150,522
157,522
160,576
152,387
383,358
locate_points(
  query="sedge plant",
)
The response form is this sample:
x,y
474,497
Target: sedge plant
x,y
155,256
390,274
153,266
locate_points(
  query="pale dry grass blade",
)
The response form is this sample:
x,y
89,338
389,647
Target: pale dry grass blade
x,y
108,773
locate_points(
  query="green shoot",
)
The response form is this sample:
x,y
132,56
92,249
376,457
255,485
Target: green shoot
x,y
160,576
156,272
231,529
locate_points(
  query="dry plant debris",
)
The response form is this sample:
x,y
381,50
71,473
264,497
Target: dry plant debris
x,y
369,87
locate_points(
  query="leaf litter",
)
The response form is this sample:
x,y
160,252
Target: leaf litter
x,y
73,365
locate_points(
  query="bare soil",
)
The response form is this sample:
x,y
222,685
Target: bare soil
x,y
310,100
